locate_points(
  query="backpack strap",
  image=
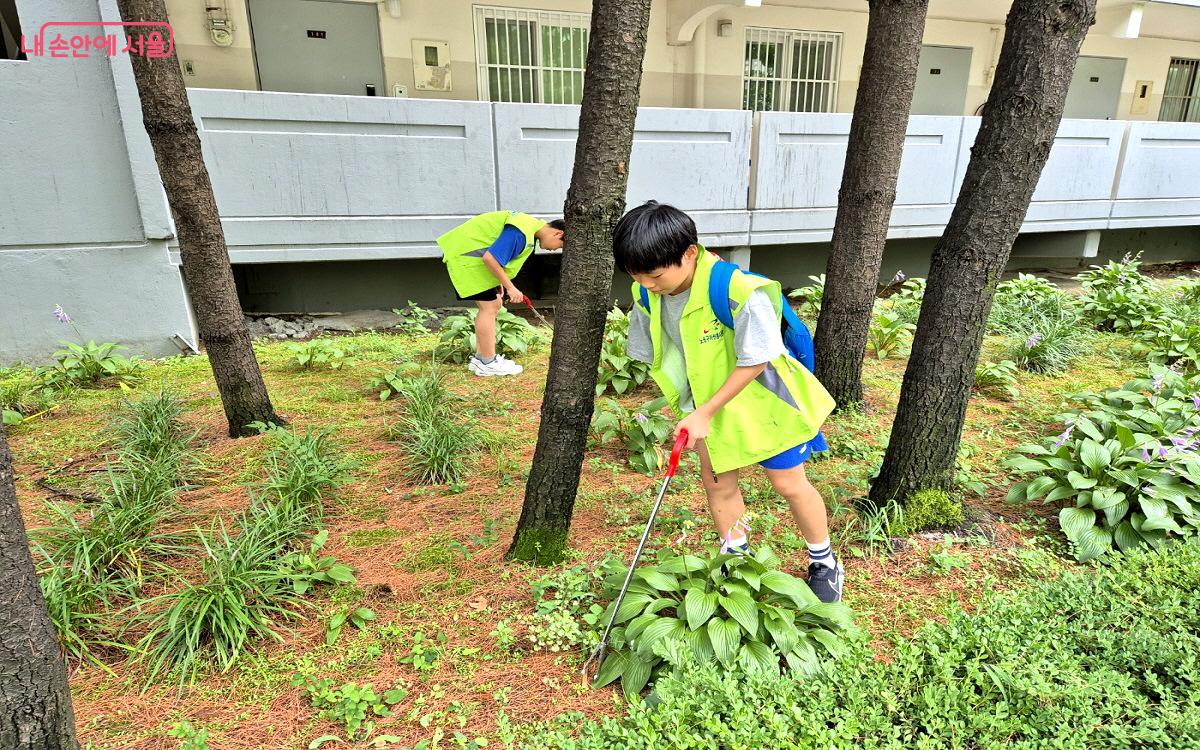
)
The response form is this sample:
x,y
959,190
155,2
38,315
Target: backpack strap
x,y
645,298
718,291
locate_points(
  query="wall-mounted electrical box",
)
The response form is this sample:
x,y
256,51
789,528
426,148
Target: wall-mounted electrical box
x,y
431,65
1142,92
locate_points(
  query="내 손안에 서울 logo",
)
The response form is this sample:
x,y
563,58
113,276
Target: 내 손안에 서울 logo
x,y
145,38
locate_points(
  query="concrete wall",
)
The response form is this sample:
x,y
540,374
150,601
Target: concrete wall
x,y
84,218
670,68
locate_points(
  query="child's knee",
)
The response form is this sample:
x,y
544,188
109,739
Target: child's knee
x,y
789,482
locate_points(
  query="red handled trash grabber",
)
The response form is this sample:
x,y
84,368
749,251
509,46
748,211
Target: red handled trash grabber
x,y
597,656
540,317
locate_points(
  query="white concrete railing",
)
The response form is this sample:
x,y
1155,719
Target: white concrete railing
x,y
318,177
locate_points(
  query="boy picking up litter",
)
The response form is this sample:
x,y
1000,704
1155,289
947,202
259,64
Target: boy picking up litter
x,y
482,255
746,399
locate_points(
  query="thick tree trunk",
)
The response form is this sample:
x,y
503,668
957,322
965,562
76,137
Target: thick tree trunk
x,y
206,270
35,702
885,92
1041,45
595,203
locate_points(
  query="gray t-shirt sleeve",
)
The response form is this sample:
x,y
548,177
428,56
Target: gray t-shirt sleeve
x,y
756,335
639,345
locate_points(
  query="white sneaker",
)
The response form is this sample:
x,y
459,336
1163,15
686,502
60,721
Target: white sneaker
x,y
498,367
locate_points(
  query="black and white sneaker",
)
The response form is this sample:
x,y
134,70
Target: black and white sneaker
x,y
826,582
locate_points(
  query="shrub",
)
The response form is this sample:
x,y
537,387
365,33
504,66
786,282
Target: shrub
x,y
1117,297
618,370
997,378
1016,299
1171,341
514,336
1125,466
642,432
1094,659
928,509
740,610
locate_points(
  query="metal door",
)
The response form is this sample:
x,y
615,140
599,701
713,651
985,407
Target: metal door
x,y
942,75
317,46
1095,89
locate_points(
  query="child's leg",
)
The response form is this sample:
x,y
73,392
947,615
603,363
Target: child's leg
x,y
808,507
724,496
485,328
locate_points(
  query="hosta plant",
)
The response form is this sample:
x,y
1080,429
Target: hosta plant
x,y
1126,467
90,364
642,431
810,297
456,344
889,334
1171,342
993,378
309,355
741,611
618,370
1117,297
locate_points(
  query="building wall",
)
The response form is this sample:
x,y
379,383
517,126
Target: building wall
x,y
669,71
83,218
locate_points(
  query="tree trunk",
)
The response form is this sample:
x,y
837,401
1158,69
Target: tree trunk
x,y
206,270
868,190
595,203
35,701
1041,44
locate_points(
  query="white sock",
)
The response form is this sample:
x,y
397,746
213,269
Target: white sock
x,y
733,544
821,553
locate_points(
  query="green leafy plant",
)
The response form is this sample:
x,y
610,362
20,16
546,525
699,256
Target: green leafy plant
x,y
888,334
189,737
23,397
906,301
414,319
1171,341
514,336
564,604
810,297
424,653
752,618
994,378
1118,297
1047,341
926,509
618,370
90,364
309,568
358,618
1125,467
390,383
310,355
303,468
352,705
641,431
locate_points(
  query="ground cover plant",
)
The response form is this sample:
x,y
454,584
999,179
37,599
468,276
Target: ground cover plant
x,y
366,586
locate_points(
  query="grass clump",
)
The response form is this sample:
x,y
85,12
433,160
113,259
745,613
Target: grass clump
x,y
928,509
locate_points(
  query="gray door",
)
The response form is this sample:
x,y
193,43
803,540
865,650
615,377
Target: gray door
x,y
1095,88
317,46
942,75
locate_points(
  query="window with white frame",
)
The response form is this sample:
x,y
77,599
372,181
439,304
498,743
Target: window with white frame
x,y
789,70
1181,95
530,55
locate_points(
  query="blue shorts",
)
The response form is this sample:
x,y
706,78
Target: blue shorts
x,y
793,457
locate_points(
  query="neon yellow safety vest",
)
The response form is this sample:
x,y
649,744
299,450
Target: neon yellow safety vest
x,y
782,408
463,248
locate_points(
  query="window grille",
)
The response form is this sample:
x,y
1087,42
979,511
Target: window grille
x,y
791,71
1181,95
530,55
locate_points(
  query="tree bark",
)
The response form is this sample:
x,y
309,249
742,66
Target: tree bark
x,y
595,203
868,190
35,701
1041,45
207,274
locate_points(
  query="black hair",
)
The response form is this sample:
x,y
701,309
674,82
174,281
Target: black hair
x,y
652,236
558,224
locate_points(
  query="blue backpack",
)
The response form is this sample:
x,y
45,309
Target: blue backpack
x,y
796,338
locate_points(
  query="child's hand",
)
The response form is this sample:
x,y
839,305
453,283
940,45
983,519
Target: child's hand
x,y
514,295
696,425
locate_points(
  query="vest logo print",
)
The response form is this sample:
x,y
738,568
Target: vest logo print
x,y
712,331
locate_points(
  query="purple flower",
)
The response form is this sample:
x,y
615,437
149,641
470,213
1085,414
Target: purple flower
x,y
1066,434
641,417
1157,383
1033,340
62,317
1145,455
1196,401
1178,441
1162,451
898,277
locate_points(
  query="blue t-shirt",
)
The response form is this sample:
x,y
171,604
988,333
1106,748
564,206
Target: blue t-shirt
x,y
508,245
